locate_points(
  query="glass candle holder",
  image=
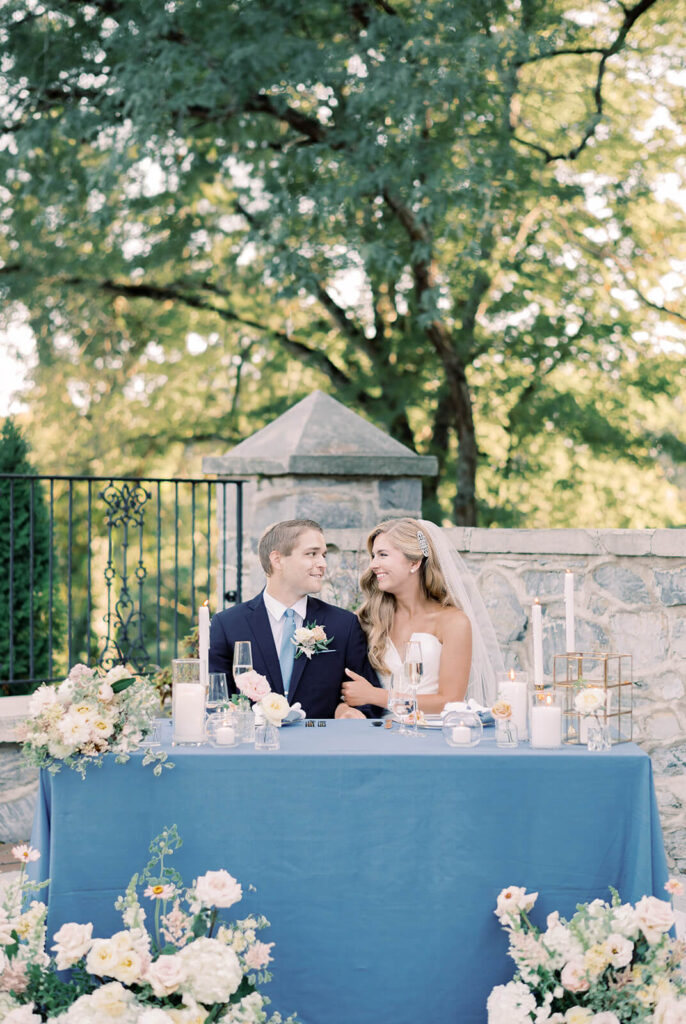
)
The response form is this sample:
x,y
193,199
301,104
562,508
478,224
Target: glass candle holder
x,y
514,688
222,729
462,729
545,719
188,703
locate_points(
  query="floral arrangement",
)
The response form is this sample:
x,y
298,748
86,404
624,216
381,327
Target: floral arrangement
x,y
502,716
91,713
612,963
191,967
311,639
274,707
253,685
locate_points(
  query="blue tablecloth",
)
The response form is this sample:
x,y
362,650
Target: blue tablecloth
x,y
378,859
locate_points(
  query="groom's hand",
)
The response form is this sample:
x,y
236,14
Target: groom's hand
x,y
343,711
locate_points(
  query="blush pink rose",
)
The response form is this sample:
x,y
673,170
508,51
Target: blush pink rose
x,y
573,978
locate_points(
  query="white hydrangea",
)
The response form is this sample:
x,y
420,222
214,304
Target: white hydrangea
x,y
213,972
510,1004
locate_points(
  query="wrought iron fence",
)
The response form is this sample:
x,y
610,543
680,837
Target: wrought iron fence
x,y
104,570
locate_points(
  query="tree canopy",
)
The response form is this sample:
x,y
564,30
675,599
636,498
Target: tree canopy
x,y
457,217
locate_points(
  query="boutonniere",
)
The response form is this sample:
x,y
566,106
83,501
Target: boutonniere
x,y
311,639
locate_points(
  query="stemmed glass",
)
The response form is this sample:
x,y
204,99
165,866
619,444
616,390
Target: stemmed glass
x,y
400,701
242,659
412,670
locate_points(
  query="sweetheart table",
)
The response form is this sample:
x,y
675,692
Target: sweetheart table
x,y
377,858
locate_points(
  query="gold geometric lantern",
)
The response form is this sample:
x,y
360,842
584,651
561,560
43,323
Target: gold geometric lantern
x,y
611,673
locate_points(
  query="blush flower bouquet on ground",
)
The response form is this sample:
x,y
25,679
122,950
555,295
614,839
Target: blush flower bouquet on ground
x,y
189,967
92,713
612,963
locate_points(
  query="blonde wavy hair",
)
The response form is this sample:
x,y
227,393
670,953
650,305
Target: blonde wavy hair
x,y
378,609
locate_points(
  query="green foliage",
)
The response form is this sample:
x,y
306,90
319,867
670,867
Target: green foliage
x,y
26,570
451,215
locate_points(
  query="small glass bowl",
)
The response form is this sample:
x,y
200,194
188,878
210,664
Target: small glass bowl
x,y
223,729
462,729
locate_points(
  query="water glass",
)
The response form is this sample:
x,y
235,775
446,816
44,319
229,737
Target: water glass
x,y
217,691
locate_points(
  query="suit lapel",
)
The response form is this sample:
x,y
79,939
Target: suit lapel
x,y
263,638
300,664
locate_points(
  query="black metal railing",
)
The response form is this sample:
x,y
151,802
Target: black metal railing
x,y
107,570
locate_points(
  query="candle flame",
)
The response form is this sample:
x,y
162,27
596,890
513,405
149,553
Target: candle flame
x,y
549,699
536,601
206,603
512,674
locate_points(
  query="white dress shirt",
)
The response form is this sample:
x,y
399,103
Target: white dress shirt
x,y
276,611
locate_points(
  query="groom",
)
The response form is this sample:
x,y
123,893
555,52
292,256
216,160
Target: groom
x,y
293,556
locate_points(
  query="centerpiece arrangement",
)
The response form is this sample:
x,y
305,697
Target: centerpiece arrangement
x,y
93,712
612,963
189,967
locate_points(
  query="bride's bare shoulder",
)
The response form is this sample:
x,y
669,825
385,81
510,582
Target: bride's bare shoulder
x,y
453,623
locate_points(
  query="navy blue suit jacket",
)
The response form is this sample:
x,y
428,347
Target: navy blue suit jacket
x,y
315,682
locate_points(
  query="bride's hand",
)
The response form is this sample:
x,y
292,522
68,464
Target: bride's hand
x,y
358,690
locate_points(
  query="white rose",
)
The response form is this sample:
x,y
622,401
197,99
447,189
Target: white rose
x,y
213,972
618,949
589,700
654,918
275,708
578,1015
72,942
109,1002
624,920
513,900
116,957
606,1017
302,635
165,975
218,889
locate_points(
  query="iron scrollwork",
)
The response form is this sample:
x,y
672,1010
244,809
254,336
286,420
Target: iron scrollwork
x,y
124,619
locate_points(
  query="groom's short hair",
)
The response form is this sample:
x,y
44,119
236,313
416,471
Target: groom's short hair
x,y
282,537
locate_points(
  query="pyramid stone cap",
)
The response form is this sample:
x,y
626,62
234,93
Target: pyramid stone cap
x,y
320,437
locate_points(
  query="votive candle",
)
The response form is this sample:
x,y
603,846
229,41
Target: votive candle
x,y
546,722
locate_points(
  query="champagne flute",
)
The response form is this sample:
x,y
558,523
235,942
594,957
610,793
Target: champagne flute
x,y
242,659
413,668
413,663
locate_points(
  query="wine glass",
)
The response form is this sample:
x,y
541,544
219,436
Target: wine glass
x,y
400,701
242,659
217,691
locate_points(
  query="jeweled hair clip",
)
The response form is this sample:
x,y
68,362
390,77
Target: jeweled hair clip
x,y
423,544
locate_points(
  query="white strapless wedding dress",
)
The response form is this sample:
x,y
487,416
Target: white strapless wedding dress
x,y
431,661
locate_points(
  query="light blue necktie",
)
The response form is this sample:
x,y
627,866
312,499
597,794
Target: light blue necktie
x,y
287,653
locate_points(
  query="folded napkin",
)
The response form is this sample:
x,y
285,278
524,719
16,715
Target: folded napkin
x,y
470,705
296,714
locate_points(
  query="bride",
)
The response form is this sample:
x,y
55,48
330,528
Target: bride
x,y
418,588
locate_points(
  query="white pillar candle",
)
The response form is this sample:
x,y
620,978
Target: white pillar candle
x,y
569,612
188,701
546,723
538,643
515,691
204,641
462,735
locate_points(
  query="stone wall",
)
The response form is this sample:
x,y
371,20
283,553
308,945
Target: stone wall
x,y
630,598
